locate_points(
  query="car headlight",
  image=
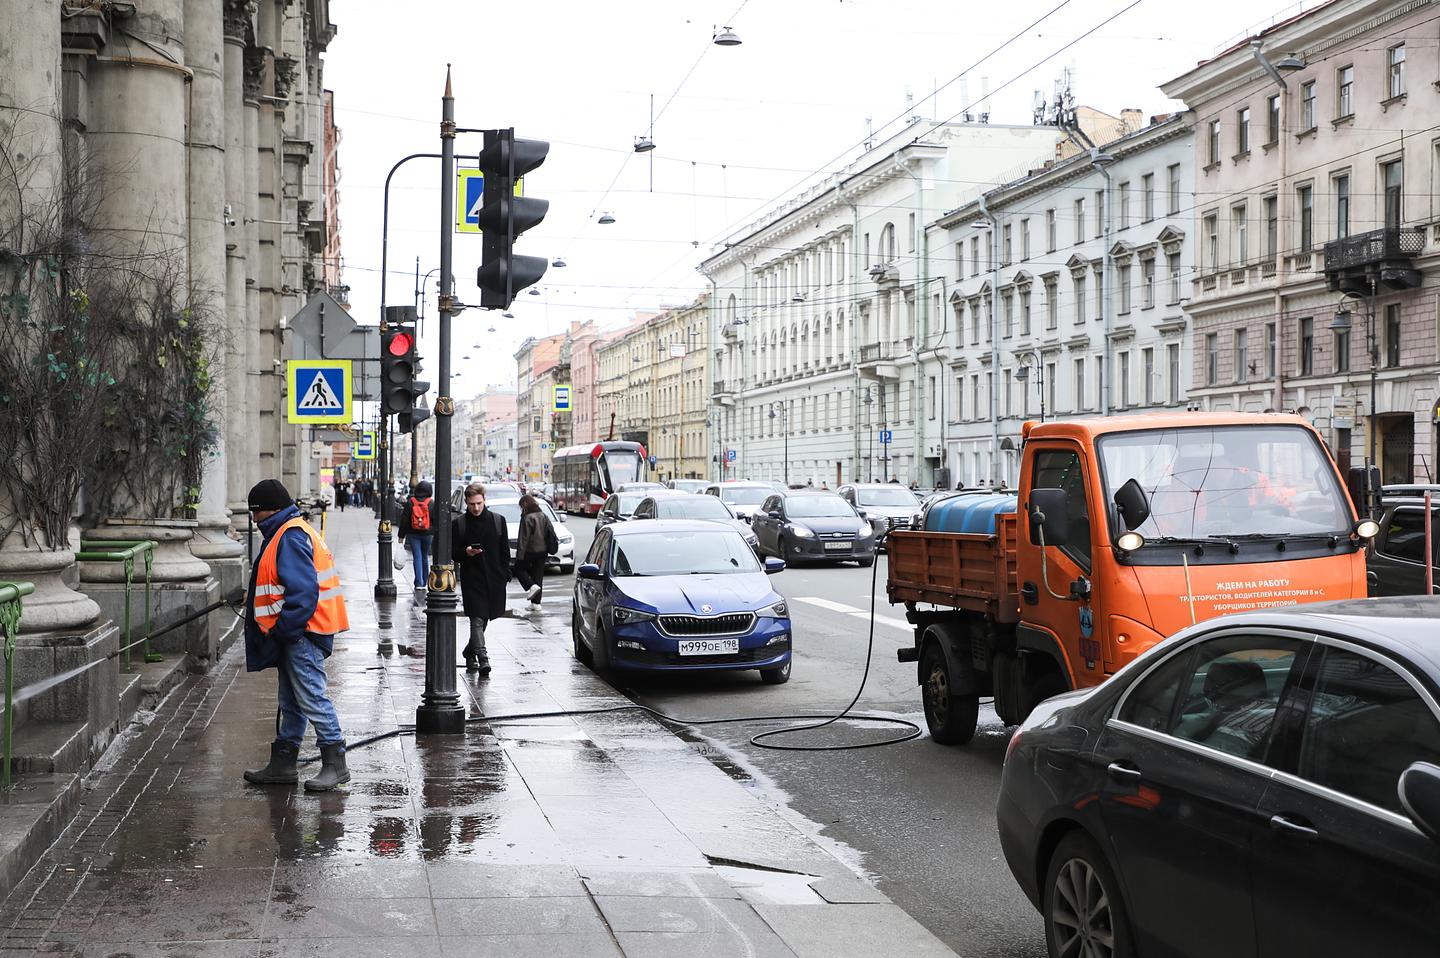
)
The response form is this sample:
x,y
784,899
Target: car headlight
x,y
623,615
801,532
779,610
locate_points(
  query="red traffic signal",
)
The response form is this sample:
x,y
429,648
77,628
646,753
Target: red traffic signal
x,y
400,344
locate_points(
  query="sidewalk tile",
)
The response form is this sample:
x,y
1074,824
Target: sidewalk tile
x,y
550,917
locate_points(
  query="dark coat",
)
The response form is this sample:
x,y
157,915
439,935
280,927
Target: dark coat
x,y
483,577
422,492
295,565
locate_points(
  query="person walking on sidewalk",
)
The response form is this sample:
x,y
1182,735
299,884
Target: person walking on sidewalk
x,y
293,611
417,530
480,546
537,540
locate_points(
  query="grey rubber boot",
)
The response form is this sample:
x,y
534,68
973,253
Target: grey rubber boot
x,y
281,770
332,769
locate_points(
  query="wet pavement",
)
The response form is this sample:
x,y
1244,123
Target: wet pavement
x,y
585,835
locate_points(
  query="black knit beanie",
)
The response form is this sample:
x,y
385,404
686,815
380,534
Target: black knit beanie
x,y
269,495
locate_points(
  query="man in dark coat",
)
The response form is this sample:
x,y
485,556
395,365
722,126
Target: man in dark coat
x,y
480,546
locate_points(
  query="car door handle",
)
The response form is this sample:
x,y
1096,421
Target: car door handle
x,y
1118,770
1299,828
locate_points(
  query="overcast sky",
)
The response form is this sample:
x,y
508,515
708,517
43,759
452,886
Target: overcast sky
x,y
736,128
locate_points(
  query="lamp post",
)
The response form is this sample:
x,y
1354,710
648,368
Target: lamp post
x,y
1022,375
870,428
1343,323
785,431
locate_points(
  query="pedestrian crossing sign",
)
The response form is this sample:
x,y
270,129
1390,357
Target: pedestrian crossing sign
x,y
319,391
470,197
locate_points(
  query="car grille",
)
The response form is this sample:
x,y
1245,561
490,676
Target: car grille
x,y
836,535
735,623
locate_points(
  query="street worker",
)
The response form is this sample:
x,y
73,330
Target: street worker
x,y
293,611
480,546
417,530
536,542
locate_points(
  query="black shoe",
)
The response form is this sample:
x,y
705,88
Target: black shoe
x,y
332,769
470,664
281,770
482,664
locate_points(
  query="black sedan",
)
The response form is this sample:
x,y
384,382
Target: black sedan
x,y
1265,784
620,506
812,525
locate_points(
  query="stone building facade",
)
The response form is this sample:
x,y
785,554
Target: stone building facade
x,y
1317,215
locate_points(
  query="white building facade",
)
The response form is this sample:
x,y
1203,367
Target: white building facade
x,y
825,314
1064,341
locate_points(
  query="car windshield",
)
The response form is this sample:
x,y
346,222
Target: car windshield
x,y
692,507
894,496
627,503
682,553
510,511
1227,481
746,495
817,507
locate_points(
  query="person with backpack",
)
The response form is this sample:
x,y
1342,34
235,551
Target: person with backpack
x,y
480,546
537,541
417,530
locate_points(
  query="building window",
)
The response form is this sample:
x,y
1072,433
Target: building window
x,y
1270,206
1050,386
1172,263
1009,392
1125,205
1212,358
1049,231
911,239
1025,312
1080,385
975,412
1392,335
1172,189
1125,379
1344,92
1147,283
1392,176
1211,233
1172,362
1147,197
1342,206
1099,213
1342,350
1307,346
1242,354
1272,119
1395,62
1122,276
1005,245
1242,131
1147,373
1099,292
1024,239
1052,304
1270,356
1307,106
1009,307
1080,220
1241,234
975,322
974,256
1214,143
1079,298
1305,204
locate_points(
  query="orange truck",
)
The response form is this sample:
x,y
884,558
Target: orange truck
x,y
1123,531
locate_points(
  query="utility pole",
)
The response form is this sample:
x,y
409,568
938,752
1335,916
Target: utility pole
x,y
440,710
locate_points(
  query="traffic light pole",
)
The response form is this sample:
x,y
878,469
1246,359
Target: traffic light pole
x,y
440,710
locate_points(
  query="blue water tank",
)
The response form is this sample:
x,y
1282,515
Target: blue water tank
x,y
968,512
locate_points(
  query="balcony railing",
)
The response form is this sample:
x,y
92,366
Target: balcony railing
x,y
1361,262
870,352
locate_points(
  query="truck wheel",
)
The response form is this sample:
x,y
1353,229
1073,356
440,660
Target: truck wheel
x,y
951,717
1041,688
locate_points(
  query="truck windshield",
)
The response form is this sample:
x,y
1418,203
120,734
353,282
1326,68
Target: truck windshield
x,y
1227,481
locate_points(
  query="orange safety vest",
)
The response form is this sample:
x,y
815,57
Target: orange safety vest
x,y
329,616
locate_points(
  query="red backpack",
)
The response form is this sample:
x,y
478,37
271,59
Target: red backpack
x,y
420,514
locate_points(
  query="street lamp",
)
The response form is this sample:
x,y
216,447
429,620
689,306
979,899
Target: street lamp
x,y
785,431
1022,375
870,428
1343,323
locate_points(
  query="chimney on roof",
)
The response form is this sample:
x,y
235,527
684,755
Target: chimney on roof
x,y
1132,120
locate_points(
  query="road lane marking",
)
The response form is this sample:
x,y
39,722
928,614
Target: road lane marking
x,y
894,623
827,604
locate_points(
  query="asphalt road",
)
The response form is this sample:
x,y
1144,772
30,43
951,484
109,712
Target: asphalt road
x,y
921,816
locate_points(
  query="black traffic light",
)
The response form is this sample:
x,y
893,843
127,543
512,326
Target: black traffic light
x,y
407,421
400,367
504,216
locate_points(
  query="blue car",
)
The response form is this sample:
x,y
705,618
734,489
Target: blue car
x,y
679,596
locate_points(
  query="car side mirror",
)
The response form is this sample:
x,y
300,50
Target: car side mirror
x,y
862,513
1420,794
773,514
587,570
1050,513
560,516
1133,504
774,565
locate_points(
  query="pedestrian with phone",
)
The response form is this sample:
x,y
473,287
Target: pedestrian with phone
x,y
480,546
417,530
537,541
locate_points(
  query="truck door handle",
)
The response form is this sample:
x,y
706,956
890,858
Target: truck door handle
x,y
1300,828
1123,772
1030,593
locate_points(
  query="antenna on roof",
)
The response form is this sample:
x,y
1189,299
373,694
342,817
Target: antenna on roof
x,y
869,133
967,116
985,99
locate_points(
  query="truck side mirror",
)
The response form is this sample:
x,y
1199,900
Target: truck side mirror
x,y
1049,511
1133,504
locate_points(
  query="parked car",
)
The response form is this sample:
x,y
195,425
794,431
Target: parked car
x,y
1396,558
687,485
620,506
563,559
887,506
638,486
743,496
1262,784
673,504
495,492
675,595
815,526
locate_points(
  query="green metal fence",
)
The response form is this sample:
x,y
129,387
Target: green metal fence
x,y
10,611
126,551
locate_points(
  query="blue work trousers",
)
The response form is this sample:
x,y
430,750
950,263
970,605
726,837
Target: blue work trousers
x,y
303,698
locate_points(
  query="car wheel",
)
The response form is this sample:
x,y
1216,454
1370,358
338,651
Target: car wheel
x,y
567,568
865,562
1084,914
776,676
951,717
601,652
582,651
